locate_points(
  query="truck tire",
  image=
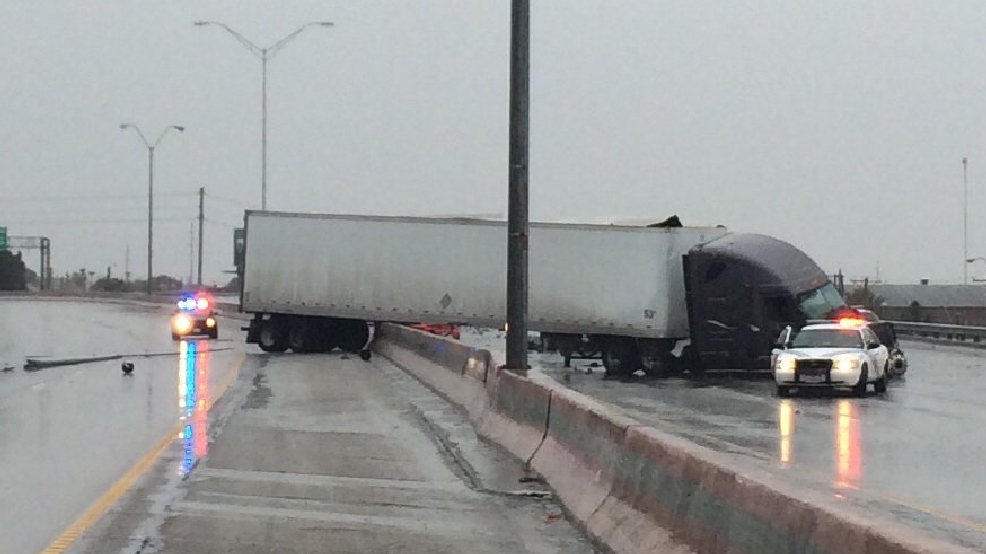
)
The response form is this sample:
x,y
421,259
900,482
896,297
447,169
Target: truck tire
x,y
620,357
691,361
353,335
655,357
300,339
271,337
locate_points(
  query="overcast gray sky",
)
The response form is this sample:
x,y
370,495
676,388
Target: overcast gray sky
x,y
837,126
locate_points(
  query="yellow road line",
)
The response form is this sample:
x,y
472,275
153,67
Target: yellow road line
x,y
101,506
95,511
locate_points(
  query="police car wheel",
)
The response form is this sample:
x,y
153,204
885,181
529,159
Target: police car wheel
x,y
783,391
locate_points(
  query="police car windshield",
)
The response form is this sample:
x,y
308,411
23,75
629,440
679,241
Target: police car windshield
x,y
827,338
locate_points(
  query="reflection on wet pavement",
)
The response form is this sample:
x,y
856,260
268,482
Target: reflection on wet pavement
x,y
785,428
193,401
914,454
848,453
67,434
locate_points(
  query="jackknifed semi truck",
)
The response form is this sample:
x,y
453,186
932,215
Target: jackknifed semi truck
x,y
657,299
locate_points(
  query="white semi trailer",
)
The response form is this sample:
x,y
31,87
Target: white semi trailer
x,y
315,281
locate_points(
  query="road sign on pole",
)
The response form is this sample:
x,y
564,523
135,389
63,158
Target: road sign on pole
x,y
3,238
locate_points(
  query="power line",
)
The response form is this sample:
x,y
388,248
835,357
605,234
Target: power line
x,y
92,197
239,203
89,221
228,208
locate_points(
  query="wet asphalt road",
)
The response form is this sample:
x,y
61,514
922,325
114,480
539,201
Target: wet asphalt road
x,y
68,433
328,453
916,454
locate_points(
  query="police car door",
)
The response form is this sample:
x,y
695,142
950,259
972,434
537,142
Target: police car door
x,y
878,356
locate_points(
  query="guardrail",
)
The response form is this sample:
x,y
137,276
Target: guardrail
x,y
940,331
228,309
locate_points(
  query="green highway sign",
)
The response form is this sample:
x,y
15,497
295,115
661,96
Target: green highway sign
x,y
3,238
239,242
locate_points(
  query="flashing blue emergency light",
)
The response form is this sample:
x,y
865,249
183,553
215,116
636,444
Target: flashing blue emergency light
x,y
191,303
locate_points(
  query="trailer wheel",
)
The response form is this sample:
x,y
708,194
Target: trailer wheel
x,y
620,357
655,357
299,337
587,353
271,337
353,335
691,361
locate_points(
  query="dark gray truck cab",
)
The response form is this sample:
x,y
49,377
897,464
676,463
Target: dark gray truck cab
x,y
741,290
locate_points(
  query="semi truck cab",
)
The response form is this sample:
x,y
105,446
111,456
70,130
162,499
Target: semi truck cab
x,y
741,291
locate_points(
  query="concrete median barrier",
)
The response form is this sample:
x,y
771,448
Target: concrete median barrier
x,y
505,408
518,412
634,488
449,354
453,370
668,489
581,451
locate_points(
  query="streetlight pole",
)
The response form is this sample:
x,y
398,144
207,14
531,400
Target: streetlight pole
x,y
965,220
150,194
265,55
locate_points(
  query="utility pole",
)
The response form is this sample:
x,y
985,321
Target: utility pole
x,y
126,264
201,229
191,249
517,206
965,221
150,220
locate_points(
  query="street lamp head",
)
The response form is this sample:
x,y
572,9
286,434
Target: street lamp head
x,y
179,127
325,23
126,125
201,23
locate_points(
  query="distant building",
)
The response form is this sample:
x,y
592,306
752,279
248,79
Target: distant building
x,y
955,304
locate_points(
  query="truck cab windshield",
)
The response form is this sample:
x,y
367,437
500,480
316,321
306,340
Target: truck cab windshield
x,y
816,304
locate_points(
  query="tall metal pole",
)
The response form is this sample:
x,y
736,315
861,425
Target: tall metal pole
x,y
517,205
263,133
150,193
201,229
965,221
150,220
264,54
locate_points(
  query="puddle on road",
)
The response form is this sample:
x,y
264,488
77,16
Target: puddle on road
x,y
258,397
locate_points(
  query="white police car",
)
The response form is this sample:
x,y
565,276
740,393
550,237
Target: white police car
x,y
843,354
